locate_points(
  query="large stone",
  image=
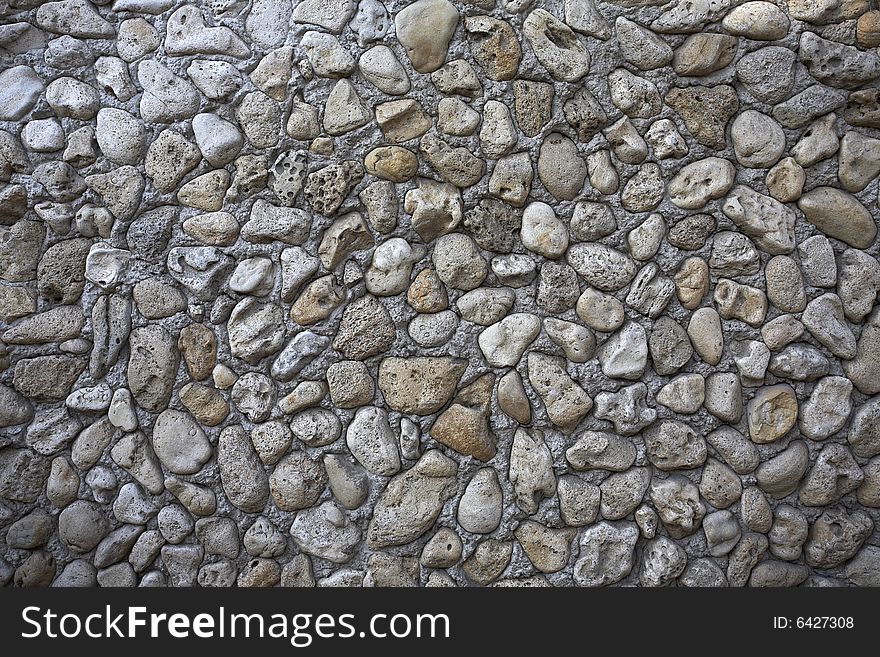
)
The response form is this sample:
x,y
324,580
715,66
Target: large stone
x,y
504,343
420,385
700,182
625,354
23,474
255,329
412,501
863,369
366,329
464,426
772,413
180,443
780,475
47,378
673,445
494,45
325,531
560,168
836,64
825,320
244,479
766,220
548,549
705,111
424,29
372,442
662,562
152,366
602,266
836,536
828,408
607,553
565,401
556,46
864,432
601,450
840,215
297,482
481,504
834,474
531,469
678,504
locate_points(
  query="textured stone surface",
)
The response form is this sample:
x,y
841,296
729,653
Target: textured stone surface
x,y
439,292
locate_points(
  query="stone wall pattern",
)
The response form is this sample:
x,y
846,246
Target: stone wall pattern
x,y
439,293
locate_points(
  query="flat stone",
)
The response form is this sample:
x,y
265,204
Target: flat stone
x,y
591,221
684,394
622,492
692,277
827,409
325,531
635,96
480,507
180,443
47,378
560,167
601,450
834,474
641,47
836,64
859,161
670,346
863,434
546,548
366,329
768,74
602,266
736,450
494,45
811,103
383,70
743,302
836,537
21,90
678,504
704,330
862,369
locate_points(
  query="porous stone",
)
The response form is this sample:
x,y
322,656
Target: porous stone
x,y
606,553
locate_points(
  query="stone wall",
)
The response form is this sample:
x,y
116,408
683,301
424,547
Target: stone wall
x,y
439,293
